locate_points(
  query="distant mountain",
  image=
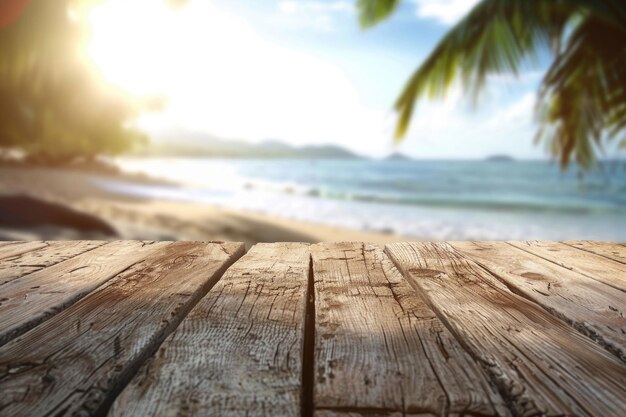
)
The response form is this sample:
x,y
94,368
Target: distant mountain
x,y
500,158
398,156
325,152
190,144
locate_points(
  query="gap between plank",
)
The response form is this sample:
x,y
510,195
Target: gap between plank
x,y
54,263
22,251
570,269
130,372
593,253
492,378
50,313
308,348
580,328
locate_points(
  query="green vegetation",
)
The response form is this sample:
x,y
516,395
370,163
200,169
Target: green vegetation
x,y
52,104
581,106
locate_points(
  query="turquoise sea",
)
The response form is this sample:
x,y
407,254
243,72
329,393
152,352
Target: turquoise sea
x,y
425,199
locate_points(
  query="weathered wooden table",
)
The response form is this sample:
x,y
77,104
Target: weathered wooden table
x,y
335,329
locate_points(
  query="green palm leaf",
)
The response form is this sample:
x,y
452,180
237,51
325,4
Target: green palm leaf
x,y
372,12
582,99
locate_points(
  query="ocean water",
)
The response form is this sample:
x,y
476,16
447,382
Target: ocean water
x,y
424,199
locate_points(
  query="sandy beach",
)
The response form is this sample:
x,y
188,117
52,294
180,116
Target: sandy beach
x,y
143,218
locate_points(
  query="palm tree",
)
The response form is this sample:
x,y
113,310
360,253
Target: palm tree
x,y
53,106
581,106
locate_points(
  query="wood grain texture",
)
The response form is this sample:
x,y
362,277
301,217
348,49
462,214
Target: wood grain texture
x,y
11,249
541,365
31,299
592,307
369,413
77,362
239,351
54,252
594,266
610,250
380,350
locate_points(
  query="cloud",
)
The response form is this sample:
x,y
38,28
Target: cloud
x,y
446,12
291,6
317,15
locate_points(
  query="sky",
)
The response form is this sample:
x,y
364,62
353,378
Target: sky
x,y
303,72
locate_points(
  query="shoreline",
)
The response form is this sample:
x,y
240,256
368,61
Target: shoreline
x,y
136,217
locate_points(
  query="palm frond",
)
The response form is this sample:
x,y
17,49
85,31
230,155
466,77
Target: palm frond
x,y
372,12
582,100
495,37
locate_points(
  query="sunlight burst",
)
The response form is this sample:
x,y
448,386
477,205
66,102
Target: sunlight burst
x,y
220,76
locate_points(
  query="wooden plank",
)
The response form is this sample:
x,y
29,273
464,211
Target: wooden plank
x,y
27,301
79,360
239,351
610,250
17,248
540,364
55,252
379,349
594,266
591,306
594,308
368,413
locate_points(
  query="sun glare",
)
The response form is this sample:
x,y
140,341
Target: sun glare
x,y
140,46
220,76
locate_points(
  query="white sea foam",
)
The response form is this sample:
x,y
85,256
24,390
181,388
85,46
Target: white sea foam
x,y
431,201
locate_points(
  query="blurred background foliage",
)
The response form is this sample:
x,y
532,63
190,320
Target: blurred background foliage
x,y
581,108
53,106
